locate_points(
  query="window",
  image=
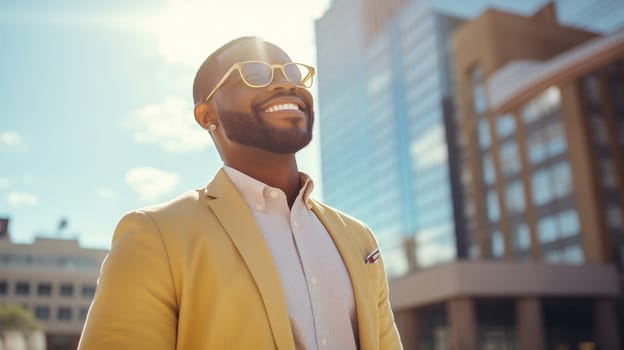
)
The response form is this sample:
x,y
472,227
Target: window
x,y
497,244
546,103
478,95
88,291
505,125
515,197
537,149
552,256
67,290
521,237
542,190
568,221
64,314
484,133
492,205
546,142
488,169
510,163
562,177
573,255
607,173
599,129
4,288
83,313
614,217
547,229
555,138
42,313
22,288
44,289
591,88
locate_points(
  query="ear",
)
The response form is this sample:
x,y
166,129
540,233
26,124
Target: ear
x,y
205,115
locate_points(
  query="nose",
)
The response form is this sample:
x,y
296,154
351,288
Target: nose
x,y
280,82
282,85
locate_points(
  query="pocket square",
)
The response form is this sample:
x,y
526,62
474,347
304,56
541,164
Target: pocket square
x,y
372,257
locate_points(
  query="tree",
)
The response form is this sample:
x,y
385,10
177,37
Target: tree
x,y
15,317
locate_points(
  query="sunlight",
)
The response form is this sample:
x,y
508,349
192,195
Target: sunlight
x,y
188,30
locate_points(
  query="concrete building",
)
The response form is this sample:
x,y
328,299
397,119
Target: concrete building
x,y
541,123
53,278
541,111
493,138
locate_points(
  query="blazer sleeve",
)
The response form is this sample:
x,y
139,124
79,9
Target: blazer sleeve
x,y
134,306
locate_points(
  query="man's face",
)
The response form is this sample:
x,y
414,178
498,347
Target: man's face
x,y
249,115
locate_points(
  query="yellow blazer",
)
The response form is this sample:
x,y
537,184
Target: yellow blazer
x,y
195,273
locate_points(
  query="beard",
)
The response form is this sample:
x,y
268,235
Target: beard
x,y
251,130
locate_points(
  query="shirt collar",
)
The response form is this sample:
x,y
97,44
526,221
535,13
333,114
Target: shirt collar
x,y
253,191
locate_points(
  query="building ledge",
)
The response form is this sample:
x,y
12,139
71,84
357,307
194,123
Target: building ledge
x,y
502,279
519,80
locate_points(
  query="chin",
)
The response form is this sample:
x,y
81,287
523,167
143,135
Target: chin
x,y
252,131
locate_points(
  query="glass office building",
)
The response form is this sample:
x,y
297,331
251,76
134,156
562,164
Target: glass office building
x,y
383,86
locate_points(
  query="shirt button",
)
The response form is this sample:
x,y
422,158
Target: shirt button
x,y
295,224
259,206
273,194
324,342
313,281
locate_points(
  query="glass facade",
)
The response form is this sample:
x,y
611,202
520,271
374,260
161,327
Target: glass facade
x,y
389,165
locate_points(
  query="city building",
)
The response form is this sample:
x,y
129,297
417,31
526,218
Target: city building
x,y
385,92
384,89
55,279
488,161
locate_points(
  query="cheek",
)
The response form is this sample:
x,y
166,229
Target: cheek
x,y
237,98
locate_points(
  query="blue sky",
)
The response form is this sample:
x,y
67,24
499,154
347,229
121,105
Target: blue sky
x,y
96,110
95,102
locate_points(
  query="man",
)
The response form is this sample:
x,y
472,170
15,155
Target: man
x,y
250,261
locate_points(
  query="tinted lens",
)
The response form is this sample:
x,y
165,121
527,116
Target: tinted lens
x,y
257,73
298,74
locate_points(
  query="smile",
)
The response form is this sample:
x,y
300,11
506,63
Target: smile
x,y
282,107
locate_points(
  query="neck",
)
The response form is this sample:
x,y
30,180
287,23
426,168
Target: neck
x,y
276,170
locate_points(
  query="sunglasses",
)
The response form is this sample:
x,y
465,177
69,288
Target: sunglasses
x,y
257,74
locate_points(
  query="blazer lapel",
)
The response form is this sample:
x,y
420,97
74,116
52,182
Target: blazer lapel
x,y
353,258
234,215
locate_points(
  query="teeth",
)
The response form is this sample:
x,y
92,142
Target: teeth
x,y
282,107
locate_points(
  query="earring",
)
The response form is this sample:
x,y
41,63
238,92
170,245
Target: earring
x,y
212,127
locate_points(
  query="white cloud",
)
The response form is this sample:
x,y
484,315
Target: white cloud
x,y
5,182
170,125
151,184
20,199
12,139
106,193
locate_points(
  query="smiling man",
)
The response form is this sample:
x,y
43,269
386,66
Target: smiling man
x,y
250,261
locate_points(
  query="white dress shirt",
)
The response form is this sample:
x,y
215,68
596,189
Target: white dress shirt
x,y
318,290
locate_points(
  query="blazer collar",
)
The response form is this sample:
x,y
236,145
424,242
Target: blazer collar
x,y
235,217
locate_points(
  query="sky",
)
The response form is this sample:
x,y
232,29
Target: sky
x,y
96,104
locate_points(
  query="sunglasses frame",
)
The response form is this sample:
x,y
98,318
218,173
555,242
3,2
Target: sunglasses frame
x,y
238,66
